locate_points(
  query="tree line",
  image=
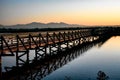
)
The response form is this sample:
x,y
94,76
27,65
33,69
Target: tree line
x,y
11,30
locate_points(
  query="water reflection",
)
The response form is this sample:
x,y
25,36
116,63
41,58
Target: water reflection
x,y
37,70
102,76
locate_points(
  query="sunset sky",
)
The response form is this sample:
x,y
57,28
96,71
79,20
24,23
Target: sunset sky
x,y
83,12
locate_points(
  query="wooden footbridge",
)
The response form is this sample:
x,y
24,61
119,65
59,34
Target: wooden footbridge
x,y
15,43
47,43
25,42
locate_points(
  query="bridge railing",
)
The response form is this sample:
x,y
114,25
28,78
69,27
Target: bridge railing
x,y
30,41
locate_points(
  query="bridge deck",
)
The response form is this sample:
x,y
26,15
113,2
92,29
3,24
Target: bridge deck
x,y
26,41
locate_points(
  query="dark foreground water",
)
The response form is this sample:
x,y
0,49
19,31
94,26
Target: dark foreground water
x,y
103,56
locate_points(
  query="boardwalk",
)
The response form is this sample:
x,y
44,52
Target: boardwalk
x,y
25,41
16,43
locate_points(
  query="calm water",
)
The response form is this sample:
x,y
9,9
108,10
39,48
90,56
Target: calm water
x,y
86,66
104,57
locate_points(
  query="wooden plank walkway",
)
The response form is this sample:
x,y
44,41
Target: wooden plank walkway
x,y
15,43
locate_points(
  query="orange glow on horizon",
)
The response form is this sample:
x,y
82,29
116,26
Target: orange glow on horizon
x,y
83,12
82,18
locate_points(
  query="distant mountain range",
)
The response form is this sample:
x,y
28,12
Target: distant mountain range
x,y
40,25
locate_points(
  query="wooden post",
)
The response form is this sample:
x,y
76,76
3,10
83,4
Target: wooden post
x,y
59,45
17,45
47,42
27,56
36,57
1,46
50,51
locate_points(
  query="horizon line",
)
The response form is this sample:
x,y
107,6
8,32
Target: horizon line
x,y
59,22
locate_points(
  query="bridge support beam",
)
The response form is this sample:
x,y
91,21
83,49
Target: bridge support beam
x,y
40,52
22,57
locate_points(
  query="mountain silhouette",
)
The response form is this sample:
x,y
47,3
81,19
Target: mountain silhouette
x,y
40,25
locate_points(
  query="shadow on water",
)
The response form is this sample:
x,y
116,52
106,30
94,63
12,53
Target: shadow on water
x,y
43,67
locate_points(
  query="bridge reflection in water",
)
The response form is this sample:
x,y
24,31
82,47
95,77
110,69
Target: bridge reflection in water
x,y
40,68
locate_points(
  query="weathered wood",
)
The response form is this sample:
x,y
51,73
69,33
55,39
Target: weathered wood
x,y
31,41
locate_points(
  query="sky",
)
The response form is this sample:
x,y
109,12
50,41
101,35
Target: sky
x,y
83,12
